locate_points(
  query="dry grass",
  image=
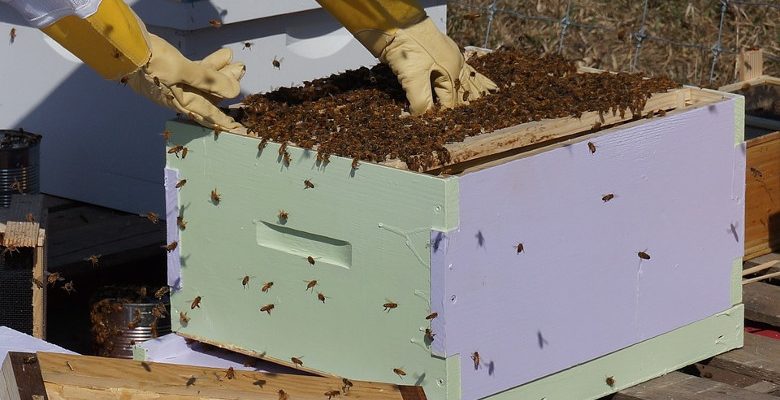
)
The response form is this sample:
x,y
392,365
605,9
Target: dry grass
x,y
608,42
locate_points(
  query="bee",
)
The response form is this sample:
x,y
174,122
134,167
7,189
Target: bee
x,y
262,144
355,163
30,217
286,158
16,185
321,297
429,334
37,283
159,311
283,216
282,148
597,125
466,95
53,277
136,320
215,196
161,292
643,255
152,217
267,308
217,131
389,305
183,318
308,185
195,303
399,372
607,197
170,246
175,149
184,152
310,259
756,173
472,16
311,284
68,287
94,260
191,381
662,113
123,81
519,248
10,249
457,84
181,183
432,316
166,135
610,380
277,63
230,373
12,34
181,223
347,385
215,23
475,358
156,81
245,281
331,394
592,147
116,53
30,360
266,287
283,395
247,45
296,361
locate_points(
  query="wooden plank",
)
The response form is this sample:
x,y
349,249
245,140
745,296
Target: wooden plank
x,y
760,358
679,386
750,64
762,303
39,294
762,196
22,376
85,377
764,387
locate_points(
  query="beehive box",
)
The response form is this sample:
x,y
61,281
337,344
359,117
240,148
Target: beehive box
x,y
576,314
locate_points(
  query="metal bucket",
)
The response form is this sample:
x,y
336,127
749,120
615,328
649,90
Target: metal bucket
x,y
19,164
129,324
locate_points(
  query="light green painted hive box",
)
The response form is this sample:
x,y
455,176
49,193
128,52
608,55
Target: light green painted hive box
x,y
606,292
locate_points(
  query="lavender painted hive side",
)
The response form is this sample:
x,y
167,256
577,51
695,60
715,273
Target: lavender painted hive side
x,y
579,289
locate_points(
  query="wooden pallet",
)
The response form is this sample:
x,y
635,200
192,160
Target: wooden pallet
x,y
749,373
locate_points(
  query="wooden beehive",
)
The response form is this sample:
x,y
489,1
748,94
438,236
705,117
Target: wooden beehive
x,y
578,304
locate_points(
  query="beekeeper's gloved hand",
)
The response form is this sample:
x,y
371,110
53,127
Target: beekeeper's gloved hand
x,y
426,61
109,37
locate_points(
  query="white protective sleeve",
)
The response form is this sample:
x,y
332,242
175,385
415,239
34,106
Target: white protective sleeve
x,y
42,13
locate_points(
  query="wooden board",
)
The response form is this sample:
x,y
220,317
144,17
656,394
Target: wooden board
x,y
750,64
76,377
760,358
762,196
21,378
762,303
679,386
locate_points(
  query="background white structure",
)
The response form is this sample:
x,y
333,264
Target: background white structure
x,y
102,143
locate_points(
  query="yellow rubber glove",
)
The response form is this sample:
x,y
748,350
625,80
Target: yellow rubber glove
x,y
425,60
189,87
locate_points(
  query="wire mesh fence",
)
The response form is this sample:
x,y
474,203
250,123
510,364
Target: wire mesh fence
x,y
694,41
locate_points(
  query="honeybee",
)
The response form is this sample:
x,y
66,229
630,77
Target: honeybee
x,y
432,316
191,381
283,215
215,23
286,158
152,217
156,81
277,63
123,81
311,284
266,287
662,113
53,277
400,372
245,281
230,373
389,305
310,259
10,249
195,303
519,248
183,318
475,358
94,260
607,197
12,34
466,95
161,292
136,320
267,308
215,196
347,385
282,148
756,173
592,147
283,395
643,255
184,152
296,361
308,185
331,394
610,380
429,334
181,223
166,133
181,183
159,311
170,246
355,163
321,297
217,131
37,283
68,287
457,84
176,149
30,217
16,185
472,16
